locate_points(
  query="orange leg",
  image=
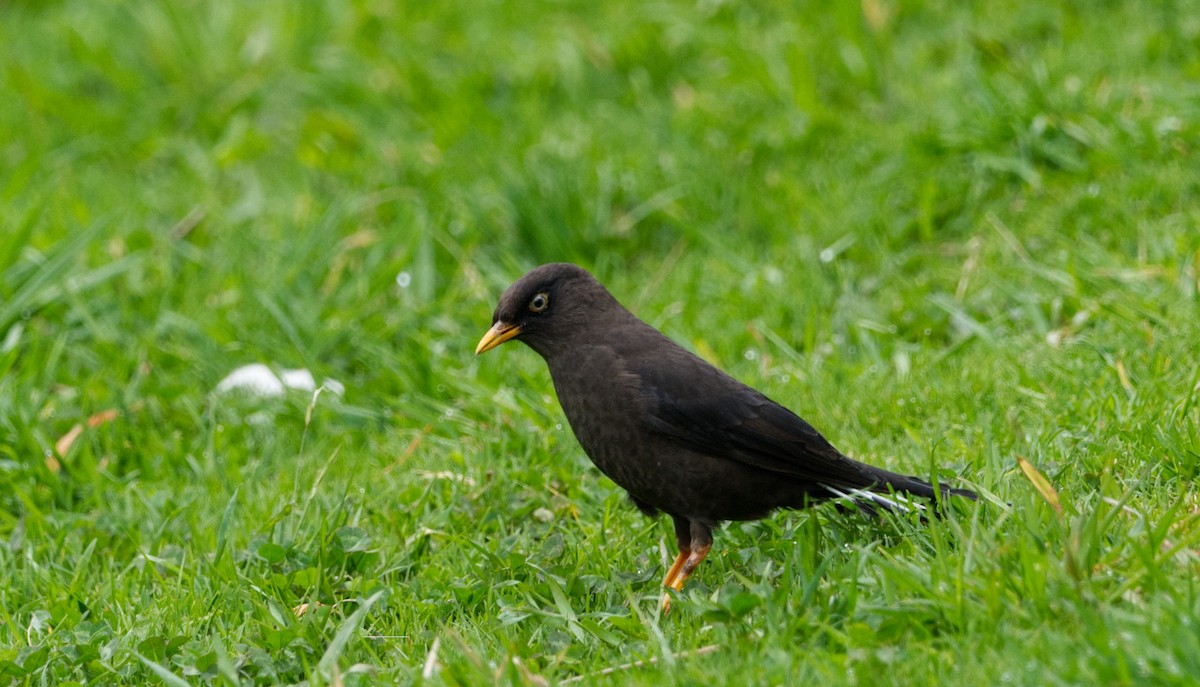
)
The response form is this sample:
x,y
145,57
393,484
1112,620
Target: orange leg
x,y
679,561
695,540
689,565
684,565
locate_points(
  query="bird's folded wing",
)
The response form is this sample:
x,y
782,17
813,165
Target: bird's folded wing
x,y
712,413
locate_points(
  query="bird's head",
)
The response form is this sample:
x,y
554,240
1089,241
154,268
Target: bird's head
x,y
546,308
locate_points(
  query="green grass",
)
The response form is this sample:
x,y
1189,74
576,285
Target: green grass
x,y
950,236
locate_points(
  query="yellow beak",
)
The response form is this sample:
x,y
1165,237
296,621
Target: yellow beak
x,y
498,334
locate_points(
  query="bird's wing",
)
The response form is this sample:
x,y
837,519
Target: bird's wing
x,y
709,412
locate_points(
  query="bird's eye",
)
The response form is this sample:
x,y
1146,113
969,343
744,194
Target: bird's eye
x,y
539,302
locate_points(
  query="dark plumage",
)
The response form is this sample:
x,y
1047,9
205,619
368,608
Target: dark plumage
x,y
681,436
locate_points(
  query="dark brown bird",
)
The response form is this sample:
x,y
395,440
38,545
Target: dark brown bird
x,y
681,436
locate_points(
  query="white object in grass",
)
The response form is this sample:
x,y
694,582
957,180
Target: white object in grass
x,y
258,379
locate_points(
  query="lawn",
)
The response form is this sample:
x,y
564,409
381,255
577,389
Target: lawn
x,y
961,239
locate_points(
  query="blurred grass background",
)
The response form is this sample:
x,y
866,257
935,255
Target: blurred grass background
x,y
950,235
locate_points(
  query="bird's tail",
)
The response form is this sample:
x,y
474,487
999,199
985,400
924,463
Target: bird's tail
x,y
891,491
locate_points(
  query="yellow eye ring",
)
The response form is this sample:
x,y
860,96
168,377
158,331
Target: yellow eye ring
x,y
539,302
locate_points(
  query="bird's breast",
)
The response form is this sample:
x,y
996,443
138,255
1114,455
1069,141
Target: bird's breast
x,y
602,403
